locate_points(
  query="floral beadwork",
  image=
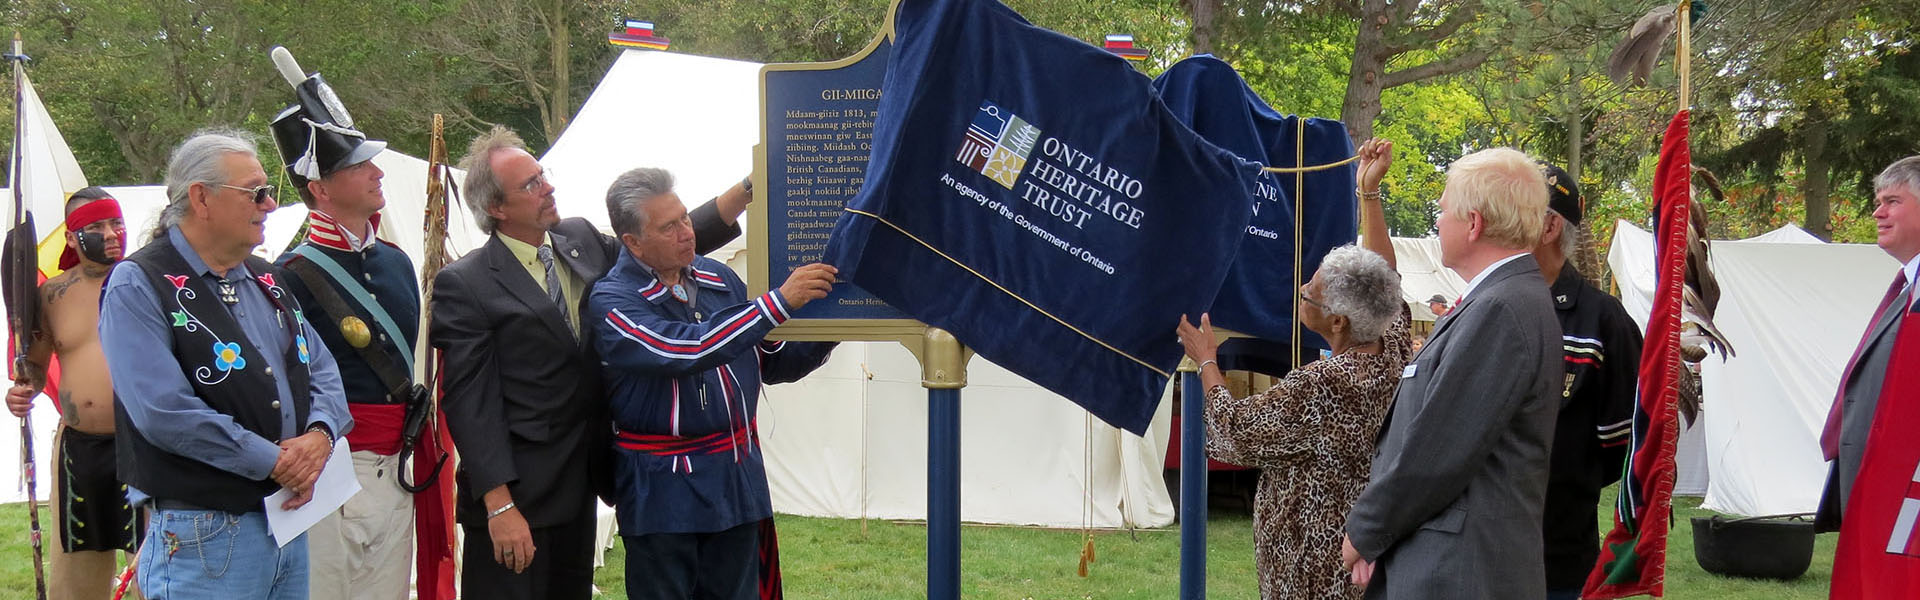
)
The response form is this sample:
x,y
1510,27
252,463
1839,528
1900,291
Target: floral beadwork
x,y
185,319
226,356
301,341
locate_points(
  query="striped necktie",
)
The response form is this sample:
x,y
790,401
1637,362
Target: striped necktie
x,y
553,283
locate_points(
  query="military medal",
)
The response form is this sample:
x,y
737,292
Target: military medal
x,y
356,332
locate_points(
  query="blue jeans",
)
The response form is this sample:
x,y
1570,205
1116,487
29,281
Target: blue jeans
x,y
217,554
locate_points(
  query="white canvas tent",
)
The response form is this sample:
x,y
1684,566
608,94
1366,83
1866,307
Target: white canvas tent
x,y
1793,308
841,443
1422,275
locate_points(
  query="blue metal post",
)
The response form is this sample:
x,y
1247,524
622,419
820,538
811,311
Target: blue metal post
x,y
943,371
943,494
1193,487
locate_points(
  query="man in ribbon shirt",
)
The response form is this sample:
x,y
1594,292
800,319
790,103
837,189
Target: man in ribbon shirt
x,y
90,509
364,300
224,397
681,344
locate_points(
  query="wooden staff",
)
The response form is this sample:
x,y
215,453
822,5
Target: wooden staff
x,y
21,282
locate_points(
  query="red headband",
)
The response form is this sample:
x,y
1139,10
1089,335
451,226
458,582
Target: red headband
x,y
88,214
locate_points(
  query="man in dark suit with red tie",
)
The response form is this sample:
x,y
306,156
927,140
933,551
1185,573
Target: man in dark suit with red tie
x,y
1844,440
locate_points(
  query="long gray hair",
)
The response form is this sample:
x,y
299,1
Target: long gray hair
x,y
1363,288
201,159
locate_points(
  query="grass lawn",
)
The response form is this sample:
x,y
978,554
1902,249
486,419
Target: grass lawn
x,y
835,558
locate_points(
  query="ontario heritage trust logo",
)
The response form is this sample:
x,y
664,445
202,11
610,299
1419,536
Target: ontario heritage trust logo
x,y
997,144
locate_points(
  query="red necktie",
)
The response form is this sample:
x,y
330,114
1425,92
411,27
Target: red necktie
x,y
1830,435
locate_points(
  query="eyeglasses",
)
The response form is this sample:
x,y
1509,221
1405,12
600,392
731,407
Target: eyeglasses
x,y
539,179
260,194
1316,303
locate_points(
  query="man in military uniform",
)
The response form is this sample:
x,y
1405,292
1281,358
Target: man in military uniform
x,y
363,298
1602,355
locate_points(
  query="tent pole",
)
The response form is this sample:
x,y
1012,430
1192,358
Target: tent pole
x,y
943,371
1193,484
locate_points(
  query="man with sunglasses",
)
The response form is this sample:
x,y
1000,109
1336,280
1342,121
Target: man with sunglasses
x,y
225,397
362,296
91,515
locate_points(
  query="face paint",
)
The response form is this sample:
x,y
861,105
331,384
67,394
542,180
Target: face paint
x,y
93,245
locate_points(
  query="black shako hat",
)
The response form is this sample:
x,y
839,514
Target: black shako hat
x,y
1563,194
316,137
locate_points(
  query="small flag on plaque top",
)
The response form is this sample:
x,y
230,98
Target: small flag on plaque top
x,y
1122,45
637,34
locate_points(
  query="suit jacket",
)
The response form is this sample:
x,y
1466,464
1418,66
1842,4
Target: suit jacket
x,y
523,395
1859,397
1453,505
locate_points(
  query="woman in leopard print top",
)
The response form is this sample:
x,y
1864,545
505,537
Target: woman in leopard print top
x,y
1312,435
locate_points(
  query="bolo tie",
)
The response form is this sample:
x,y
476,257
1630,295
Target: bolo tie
x,y
228,294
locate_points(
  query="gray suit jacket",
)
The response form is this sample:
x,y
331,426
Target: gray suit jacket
x,y
1859,396
1453,506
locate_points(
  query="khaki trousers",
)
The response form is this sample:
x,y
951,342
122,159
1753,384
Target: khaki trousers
x,y
364,551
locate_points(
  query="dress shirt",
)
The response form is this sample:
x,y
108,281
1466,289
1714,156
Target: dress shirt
x,y
529,257
151,386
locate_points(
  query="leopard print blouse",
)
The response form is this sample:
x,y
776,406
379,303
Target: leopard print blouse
x,y
1311,436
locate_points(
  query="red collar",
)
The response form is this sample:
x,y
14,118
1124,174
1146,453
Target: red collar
x,y
325,232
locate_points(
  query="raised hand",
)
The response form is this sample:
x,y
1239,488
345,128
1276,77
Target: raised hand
x,y
808,283
1376,156
1198,341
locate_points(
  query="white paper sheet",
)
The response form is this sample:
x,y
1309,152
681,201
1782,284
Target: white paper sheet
x,y
336,485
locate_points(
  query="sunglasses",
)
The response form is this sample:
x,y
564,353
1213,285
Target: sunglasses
x,y
260,194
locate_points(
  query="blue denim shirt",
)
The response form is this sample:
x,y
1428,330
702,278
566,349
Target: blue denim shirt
x,y
136,336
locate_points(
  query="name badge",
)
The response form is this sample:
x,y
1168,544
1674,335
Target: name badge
x,y
1409,371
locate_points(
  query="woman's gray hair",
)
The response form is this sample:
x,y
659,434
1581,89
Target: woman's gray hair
x,y
484,190
201,159
1361,286
1905,171
628,191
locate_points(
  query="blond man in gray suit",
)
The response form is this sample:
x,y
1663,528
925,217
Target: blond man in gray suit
x,y
1452,506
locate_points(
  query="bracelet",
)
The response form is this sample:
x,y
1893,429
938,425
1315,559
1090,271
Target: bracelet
x,y
325,431
1204,363
1373,195
746,183
500,511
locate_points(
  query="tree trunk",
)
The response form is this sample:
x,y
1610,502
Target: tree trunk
x,y
559,104
1817,188
1586,257
1202,12
146,159
1364,81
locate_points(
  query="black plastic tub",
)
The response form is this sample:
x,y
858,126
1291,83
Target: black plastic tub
x,y
1770,547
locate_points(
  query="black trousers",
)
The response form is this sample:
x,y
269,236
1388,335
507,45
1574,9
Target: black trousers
x,y
562,566
698,566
